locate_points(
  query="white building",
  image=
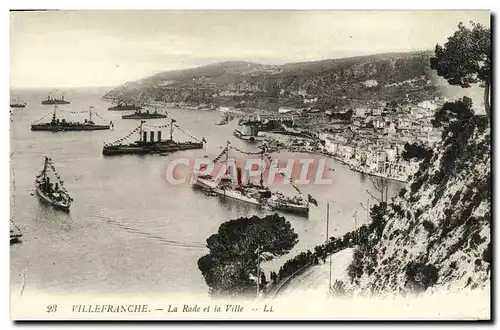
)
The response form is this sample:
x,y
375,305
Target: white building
x,y
428,104
285,110
360,112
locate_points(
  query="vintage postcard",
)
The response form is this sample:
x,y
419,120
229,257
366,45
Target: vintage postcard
x,y
250,165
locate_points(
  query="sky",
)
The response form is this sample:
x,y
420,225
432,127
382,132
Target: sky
x,y
108,48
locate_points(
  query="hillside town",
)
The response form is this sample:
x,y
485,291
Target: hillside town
x,y
368,139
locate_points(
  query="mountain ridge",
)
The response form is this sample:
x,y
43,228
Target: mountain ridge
x,y
255,85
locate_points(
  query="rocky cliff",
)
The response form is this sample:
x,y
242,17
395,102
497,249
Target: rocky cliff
x,y
436,233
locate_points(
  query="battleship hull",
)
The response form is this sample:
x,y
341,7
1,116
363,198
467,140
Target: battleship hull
x,y
52,102
61,205
151,116
124,108
60,128
154,148
208,184
17,106
15,238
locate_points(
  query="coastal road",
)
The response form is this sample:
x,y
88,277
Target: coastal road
x,y
316,278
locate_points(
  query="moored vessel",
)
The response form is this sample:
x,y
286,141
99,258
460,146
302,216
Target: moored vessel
x,y
61,125
257,194
158,146
17,104
225,120
138,114
52,193
55,100
15,233
125,106
295,204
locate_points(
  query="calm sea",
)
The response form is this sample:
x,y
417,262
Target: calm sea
x,y
128,229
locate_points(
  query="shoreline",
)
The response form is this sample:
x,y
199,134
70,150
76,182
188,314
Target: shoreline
x,y
351,167
341,160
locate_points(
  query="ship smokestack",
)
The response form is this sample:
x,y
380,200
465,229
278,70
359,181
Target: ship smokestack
x,y
152,136
145,136
159,136
238,173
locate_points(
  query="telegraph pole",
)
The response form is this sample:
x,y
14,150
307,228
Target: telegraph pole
x,y
355,223
258,271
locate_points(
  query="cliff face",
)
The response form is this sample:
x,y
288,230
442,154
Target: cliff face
x,y
436,234
250,84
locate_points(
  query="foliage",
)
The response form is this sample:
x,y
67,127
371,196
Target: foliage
x,y
236,246
465,58
421,276
346,116
415,151
450,112
338,288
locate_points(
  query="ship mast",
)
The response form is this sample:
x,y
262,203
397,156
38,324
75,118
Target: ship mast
x,y
140,130
45,167
90,113
54,115
172,129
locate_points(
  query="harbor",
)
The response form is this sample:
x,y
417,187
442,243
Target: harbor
x,y
173,222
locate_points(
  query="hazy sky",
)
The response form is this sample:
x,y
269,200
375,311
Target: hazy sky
x,y
106,48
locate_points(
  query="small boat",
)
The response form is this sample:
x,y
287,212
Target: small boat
x,y
145,115
54,194
15,233
296,204
223,121
55,100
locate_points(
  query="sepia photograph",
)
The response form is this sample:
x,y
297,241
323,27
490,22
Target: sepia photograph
x,y
250,165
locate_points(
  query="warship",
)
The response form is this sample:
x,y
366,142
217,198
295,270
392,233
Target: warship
x,y
17,104
124,106
52,193
57,125
256,194
54,100
138,114
143,146
251,193
15,233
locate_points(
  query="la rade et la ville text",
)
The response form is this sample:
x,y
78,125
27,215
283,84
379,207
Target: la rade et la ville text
x,y
171,309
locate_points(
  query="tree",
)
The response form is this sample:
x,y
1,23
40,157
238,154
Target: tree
x,y
460,110
465,59
235,249
382,186
412,151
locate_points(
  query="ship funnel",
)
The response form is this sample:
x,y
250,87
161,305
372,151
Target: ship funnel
x,y
152,136
144,136
238,173
159,136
